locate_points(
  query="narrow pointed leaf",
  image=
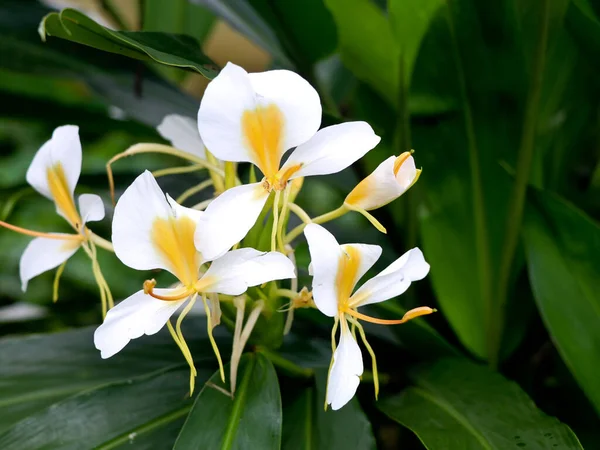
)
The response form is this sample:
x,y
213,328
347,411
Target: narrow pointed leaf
x,y
252,419
164,48
563,259
456,404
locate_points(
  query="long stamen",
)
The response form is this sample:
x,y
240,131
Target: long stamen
x,y
209,327
184,347
412,314
149,289
60,237
275,220
371,352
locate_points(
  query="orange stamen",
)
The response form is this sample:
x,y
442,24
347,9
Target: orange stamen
x,y
413,313
60,237
149,290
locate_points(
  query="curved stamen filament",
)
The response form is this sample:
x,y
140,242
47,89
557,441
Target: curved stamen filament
x,y
412,314
60,237
149,289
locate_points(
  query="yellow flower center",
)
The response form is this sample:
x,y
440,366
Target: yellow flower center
x,y
173,238
59,188
263,130
347,274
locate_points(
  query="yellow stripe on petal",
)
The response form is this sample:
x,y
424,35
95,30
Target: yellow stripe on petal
x,y
59,188
263,130
348,266
173,238
361,192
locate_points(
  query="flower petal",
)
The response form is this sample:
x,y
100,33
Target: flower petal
x,y
224,102
43,254
65,148
240,269
346,369
383,186
325,253
228,219
91,208
257,117
135,316
149,233
394,280
183,134
332,149
367,256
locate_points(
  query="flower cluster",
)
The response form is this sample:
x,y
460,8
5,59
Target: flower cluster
x,y
215,249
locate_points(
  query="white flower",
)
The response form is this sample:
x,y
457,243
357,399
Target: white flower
x,y
336,270
183,134
154,232
257,118
54,173
392,178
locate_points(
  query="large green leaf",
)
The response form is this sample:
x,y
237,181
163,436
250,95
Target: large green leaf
x,y
306,425
179,17
39,370
252,419
456,404
244,18
110,416
168,49
563,259
374,60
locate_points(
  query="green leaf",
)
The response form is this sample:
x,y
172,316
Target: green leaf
x,y
244,18
252,419
410,20
563,258
306,425
168,49
461,405
374,60
39,370
178,16
109,416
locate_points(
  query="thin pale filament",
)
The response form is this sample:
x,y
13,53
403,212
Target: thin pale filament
x,y
371,352
284,212
275,220
184,347
56,283
60,237
209,327
194,190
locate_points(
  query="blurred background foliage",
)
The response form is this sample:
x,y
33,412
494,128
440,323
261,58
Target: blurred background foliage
x,y
500,101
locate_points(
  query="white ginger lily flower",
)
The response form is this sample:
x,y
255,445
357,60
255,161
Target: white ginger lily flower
x,y
154,232
182,133
54,173
257,118
392,178
336,269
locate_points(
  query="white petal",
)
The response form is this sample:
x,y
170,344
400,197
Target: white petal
x,y
136,213
228,219
294,113
91,208
394,280
295,97
346,369
325,253
382,186
240,269
65,148
368,255
183,134
332,149
43,254
135,316
219,117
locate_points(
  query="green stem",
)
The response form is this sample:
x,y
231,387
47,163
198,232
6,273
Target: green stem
x,y
319,219
525,158
286,365
101,242
481,232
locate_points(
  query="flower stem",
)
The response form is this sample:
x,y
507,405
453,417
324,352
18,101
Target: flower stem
x,y
515,211
319,219
304,217
177,170
101,242
284,364
194,190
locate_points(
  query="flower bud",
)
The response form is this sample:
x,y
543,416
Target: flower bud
x,y
392,178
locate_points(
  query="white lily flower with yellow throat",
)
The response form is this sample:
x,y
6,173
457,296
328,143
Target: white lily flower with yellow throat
x,y
392,178
256,118
54,173
151,231
336,269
